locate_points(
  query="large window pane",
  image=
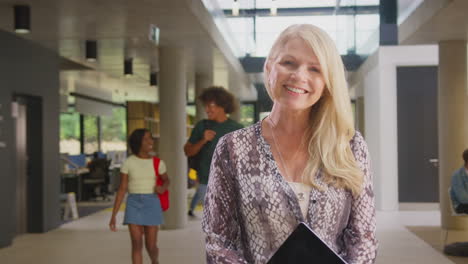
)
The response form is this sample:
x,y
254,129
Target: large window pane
x,y
70,133
247,114
367,33
359,2
242,28
295,3
268,29
227,4
114,130
247,4
90,134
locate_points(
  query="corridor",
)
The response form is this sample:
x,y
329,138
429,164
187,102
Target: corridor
x,y
88,240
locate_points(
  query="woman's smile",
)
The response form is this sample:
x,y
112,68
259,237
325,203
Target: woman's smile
x,y
295,90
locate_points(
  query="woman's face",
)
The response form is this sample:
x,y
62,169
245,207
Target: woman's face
x,y
147,143
295,77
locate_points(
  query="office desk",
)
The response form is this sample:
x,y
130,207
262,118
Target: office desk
x,y
72,181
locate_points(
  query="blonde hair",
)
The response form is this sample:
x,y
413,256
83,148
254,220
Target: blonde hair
x,y
331,122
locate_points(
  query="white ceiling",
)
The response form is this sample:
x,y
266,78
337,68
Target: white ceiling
x,y
406,7
121,28
434,21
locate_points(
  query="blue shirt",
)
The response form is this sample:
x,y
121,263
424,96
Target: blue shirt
x,y
459,188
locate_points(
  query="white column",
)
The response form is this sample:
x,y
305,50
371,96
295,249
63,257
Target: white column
x,y
235,85
381,133
452,122
360,110
220,70
236,116
173,131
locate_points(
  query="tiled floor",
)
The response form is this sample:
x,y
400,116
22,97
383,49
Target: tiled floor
x,y
88,240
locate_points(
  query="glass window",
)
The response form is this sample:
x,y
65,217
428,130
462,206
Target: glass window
x,y
191,109
90,134
367,33
351,33
268,28
114,131
295,3
359,2
70,133
247,114
247,4
242,28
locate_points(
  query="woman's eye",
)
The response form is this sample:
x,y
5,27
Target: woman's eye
x,y
287,62
314,70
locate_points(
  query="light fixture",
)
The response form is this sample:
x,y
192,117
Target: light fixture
x,y
91,50
153,79
128,67
273,8
154,34
22,19
235,8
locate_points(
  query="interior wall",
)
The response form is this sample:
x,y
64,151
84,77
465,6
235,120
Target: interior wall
x,y
377,78
29,69
372,127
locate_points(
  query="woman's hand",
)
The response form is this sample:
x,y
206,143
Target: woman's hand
x,y
159,189
112,224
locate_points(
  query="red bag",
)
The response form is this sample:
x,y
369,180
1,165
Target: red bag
x,y
164,197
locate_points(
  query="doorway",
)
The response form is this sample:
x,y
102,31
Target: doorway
x,y
418,179
29,183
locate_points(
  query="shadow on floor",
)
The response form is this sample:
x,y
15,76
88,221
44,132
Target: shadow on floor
x,y
438,238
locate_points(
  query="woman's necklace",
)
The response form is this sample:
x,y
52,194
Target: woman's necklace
x,y
283,163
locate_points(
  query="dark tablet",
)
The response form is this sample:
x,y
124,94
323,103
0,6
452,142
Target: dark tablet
x,y
304,246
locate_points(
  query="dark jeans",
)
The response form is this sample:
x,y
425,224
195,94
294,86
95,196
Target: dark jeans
x,y
462,209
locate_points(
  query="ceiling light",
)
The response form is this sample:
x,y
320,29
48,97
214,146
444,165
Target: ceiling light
x,y
153,79
22,19
128,67
235,8
91,50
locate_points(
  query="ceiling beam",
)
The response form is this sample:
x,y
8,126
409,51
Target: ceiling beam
x,y
307,11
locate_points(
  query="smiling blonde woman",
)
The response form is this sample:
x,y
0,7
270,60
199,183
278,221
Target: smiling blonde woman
x,y
303,163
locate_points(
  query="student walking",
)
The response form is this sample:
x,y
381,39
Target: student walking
x,y
218,104
143,213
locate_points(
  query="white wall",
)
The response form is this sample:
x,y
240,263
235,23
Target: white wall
x,y
372,126
377,78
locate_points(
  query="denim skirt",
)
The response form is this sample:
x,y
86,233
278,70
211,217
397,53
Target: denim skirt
x,y
143,209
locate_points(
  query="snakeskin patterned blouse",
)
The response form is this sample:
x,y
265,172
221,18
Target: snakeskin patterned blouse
x,y
250,209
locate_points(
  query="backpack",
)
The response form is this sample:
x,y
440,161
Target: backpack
x,y
164,197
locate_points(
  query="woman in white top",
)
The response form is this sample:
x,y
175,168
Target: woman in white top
x,y
143,213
